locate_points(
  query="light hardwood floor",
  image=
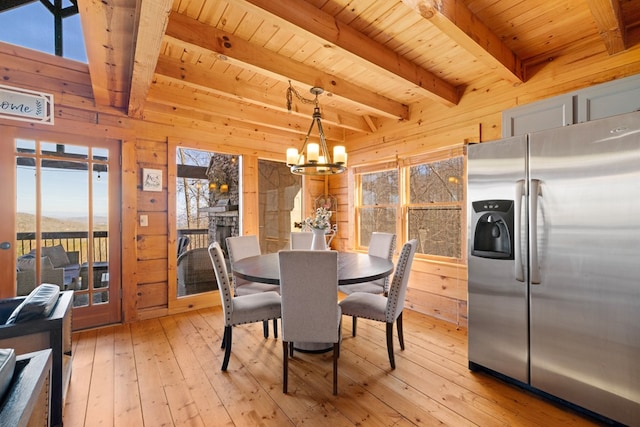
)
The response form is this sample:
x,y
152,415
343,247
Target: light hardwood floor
x,y
166,372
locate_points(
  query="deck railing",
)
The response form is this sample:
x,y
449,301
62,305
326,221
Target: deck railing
x,y
198,237
72,242
78,242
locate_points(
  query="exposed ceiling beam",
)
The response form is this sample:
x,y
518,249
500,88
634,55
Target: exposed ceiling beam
x,y
186,117
455,20
232,48
248,113
300,15
107,27
608,18
152,24
200,77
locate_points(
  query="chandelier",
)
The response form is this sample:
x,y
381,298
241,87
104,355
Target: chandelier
x,y
318,160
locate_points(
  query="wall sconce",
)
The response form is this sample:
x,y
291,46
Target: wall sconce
x,y
224,188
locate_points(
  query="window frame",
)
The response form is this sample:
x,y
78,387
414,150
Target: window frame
x,y
403,206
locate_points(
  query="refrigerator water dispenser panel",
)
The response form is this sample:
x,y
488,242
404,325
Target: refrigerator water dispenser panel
x,y
493,229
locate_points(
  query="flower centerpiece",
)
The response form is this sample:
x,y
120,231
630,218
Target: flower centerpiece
x,y
320,225
319,221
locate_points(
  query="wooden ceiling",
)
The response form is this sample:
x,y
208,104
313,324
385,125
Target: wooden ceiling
x,y
228,63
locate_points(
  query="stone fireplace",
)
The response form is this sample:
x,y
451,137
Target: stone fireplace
x,y
224,198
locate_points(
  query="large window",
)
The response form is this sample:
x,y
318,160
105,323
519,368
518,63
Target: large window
x,y
418,198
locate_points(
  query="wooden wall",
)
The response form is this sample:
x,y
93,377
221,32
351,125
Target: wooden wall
x,y
435,288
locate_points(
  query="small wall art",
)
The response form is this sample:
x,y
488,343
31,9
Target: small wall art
x,y
151,180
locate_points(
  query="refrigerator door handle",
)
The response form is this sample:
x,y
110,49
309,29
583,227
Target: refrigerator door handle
x,y
517,227
533,221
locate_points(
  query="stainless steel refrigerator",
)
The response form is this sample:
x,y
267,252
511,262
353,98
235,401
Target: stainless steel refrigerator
x,y
554,263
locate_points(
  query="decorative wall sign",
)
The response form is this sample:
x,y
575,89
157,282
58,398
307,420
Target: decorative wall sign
x,y
151,180
26,105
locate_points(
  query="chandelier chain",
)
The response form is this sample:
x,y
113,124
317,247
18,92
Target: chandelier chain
x,y
292,91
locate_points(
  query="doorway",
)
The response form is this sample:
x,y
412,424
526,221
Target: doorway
x,y
65,228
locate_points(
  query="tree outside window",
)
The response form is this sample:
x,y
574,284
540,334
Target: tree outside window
x,y
378,204
434,208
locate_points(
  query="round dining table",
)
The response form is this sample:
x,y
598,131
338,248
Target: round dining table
x,y
353,268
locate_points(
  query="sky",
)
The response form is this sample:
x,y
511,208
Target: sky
x,y
31,26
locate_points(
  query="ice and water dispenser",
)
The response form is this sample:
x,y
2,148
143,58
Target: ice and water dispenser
x,y
492,229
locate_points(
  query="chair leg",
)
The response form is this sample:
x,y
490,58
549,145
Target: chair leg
x,y
275,328
290,349
392,360
285,366
224,334
353,327
265,328
227,344
336,353
400,334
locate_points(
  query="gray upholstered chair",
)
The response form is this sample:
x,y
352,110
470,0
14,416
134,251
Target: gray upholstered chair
x,y
240,247
381,308
300,240
381,245
310,310
238,310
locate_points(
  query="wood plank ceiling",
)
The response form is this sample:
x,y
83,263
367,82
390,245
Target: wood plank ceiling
x,y
228,63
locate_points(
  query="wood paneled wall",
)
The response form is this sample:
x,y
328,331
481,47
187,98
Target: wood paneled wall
x,y
435,288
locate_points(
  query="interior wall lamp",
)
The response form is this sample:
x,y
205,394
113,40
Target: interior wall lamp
x,y
318,160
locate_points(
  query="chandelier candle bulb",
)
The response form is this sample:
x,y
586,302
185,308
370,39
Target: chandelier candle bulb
x,y
322,161
313,152
339,154
292,156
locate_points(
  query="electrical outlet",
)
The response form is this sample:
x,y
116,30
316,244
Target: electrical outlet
x,y
144,220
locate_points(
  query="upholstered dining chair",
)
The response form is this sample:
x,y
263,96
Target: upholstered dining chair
x,y
237,310
310,310
385,309
300,240
381,245
240,247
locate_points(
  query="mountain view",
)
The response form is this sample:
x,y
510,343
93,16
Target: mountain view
x,y
25,222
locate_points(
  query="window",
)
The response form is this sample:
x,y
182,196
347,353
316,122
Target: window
x,y
418,198
47,26
434,209
377,208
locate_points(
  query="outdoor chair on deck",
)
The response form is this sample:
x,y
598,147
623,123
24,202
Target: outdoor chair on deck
x,y
381,308
194,272
237,310
241,247
381,245
310,310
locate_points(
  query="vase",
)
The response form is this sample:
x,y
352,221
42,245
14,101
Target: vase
x,y
318,243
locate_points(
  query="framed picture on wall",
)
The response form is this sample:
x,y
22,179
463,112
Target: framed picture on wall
x,y
151,180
